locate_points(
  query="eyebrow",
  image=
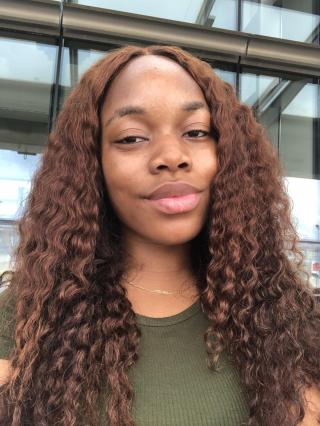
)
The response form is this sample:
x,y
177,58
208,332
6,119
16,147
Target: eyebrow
x,y
132,109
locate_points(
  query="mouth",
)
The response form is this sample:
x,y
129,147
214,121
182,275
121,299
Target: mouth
x,y
173,189
176,204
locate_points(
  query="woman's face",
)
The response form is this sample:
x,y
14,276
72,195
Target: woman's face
x,y
161,140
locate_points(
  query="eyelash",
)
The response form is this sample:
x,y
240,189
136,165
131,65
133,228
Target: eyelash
x,y
120,141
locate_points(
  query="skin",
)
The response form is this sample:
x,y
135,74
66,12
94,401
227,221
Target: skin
x,y
158,244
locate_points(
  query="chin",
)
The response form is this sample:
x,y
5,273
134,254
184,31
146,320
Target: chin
x,y
173,237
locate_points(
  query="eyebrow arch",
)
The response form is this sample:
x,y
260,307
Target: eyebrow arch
x,y
132,109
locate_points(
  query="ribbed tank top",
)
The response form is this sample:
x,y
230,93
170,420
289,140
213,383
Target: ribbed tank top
x,y
172,384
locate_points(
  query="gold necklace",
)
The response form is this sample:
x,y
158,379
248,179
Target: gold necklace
x,y
156,290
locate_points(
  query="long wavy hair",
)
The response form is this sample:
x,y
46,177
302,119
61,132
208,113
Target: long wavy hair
x,y
74,324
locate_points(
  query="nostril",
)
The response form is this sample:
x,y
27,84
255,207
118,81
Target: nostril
x,y
183,165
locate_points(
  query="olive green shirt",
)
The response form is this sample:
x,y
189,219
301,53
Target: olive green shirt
x,y
172,384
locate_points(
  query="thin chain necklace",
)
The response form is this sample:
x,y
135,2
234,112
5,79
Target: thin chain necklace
x,y
156,290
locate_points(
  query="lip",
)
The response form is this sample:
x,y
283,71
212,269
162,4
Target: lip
x,y
173,189
174,205
175,197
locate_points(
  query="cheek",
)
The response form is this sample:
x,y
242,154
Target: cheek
x,y
207,163
121,180
116,190
114,179
116,171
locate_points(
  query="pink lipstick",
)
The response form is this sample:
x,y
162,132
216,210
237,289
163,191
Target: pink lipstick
x,y
176,204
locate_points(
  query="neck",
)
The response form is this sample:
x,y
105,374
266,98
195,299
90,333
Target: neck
x,y
158,267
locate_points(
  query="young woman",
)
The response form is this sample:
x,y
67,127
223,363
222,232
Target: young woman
x,y
157,279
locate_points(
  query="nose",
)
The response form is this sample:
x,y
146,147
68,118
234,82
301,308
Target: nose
x,y
171,155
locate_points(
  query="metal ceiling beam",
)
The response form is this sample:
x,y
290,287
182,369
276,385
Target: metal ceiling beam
x,y
100,26
95,25
283,55
35,17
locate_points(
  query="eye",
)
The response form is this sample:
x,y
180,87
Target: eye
x,y
128,140
197,131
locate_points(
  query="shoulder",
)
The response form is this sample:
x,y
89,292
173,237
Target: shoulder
x,y
312,407
7,323
7,309
5,368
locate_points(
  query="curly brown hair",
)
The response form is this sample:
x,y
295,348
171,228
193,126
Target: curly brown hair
x,y
74,324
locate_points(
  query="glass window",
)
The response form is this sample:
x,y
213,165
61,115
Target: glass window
x,y
209,14
299,133
312,263
218,18
26,79
289,110
75,62
16,172
287,19
227,76
305,194
8,240
259,92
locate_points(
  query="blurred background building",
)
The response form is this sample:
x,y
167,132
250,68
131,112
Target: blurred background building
x,y
269,50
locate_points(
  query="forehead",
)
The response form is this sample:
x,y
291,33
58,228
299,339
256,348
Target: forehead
x,y
152,78
155,62
152,65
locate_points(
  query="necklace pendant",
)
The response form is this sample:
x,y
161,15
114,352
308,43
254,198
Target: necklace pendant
x,y
161,292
